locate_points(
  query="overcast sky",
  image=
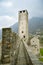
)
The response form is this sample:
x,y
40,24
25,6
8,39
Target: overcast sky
x,y
9,10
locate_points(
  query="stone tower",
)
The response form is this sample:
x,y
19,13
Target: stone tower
x,y
23,25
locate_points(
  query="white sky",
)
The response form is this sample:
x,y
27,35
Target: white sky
x,y
9,10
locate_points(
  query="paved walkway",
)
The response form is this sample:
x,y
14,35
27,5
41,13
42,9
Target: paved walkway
x,y
21,56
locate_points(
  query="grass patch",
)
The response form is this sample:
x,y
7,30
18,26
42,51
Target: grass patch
x,y
41,54
41,51
41,40
41,59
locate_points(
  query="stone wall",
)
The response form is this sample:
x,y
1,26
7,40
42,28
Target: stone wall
x,y
6,45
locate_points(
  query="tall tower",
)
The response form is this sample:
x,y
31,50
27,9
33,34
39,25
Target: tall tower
x,y
23,25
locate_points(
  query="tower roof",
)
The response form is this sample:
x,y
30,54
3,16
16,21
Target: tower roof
x,y
23,11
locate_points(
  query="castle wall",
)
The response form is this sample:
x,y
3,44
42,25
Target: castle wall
x,y
6,45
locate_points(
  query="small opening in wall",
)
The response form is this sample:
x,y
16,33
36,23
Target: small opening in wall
x,y
22,32
24,36
23,10
20,11
33,41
